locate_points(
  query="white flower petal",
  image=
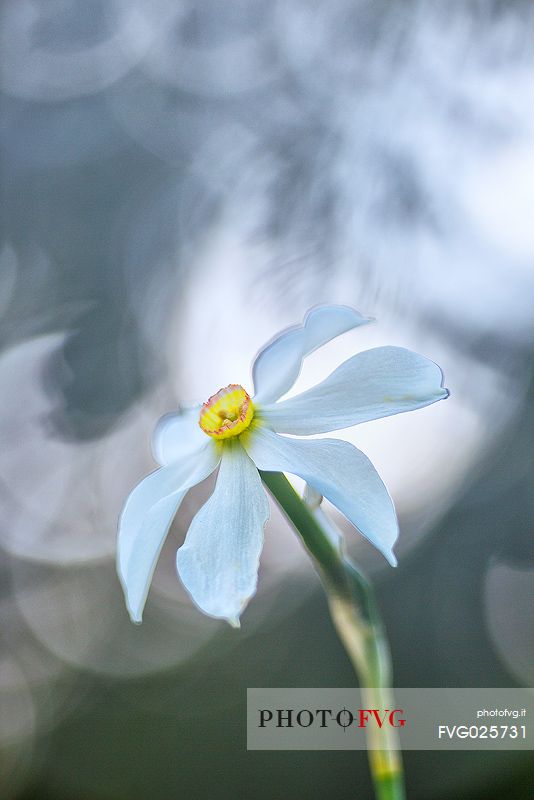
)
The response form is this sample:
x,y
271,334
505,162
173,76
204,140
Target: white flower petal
x,y
278,365
370,385
177,435
147,517
218,562
313,499
338,471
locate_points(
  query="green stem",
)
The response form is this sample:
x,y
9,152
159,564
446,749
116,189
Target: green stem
x,y
356,617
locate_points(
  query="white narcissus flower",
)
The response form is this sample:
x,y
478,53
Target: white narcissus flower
x,y
218,562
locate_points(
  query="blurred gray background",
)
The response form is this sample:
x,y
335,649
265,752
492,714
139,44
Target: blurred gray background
x,y
180,181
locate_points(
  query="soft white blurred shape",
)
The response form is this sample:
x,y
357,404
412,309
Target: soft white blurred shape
x,y
500,197
78,614
241,63
51,72
60,500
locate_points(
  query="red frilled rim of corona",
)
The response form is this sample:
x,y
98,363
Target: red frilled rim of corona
x,y
227,413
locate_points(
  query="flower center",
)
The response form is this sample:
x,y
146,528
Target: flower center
x,y
227,413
